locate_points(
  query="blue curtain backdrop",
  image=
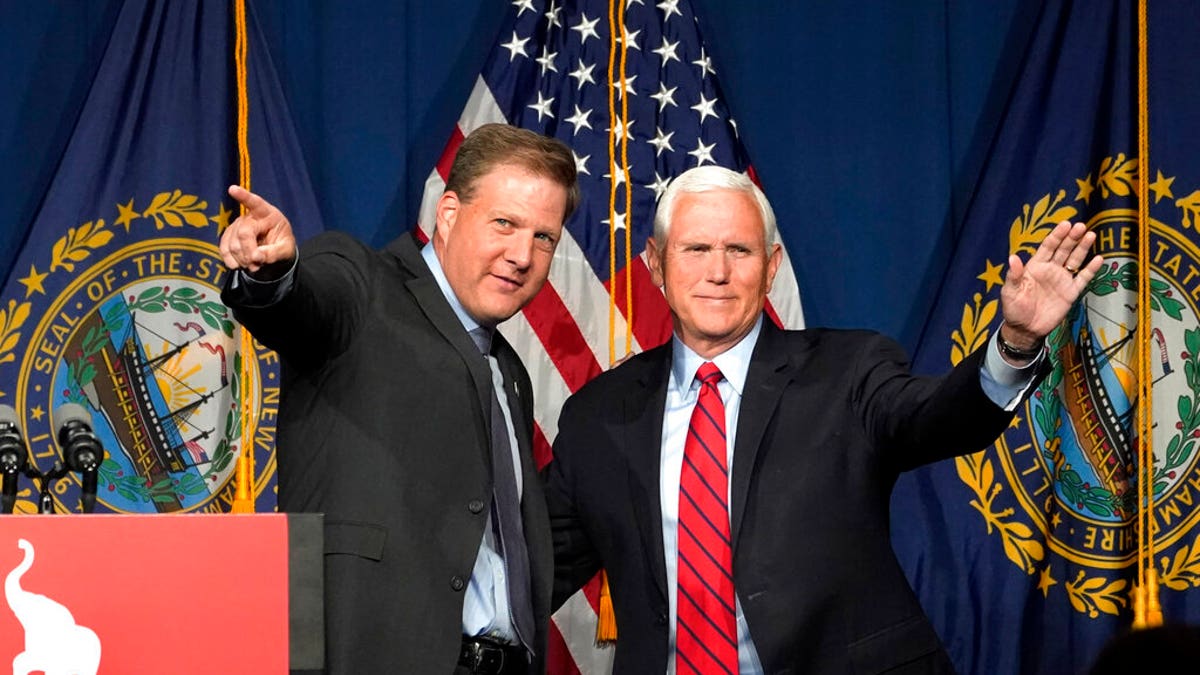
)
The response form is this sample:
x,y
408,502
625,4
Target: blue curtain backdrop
x,y
864,119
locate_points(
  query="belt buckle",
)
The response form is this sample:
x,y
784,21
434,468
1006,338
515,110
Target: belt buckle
x,y
485,658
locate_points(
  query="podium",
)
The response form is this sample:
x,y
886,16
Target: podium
x,y
180,594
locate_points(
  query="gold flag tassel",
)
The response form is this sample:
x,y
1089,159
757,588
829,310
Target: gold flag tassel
x,y
606,619
1147,612
243,494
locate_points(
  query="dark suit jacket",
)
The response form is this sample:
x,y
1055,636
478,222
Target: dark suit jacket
x,y
828,420
382,427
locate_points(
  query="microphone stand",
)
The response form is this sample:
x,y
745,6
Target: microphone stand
x,y
46,480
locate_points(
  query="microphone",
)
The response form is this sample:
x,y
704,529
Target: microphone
x,y
13,457
81,449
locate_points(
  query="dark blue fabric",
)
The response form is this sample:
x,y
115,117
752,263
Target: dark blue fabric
x,y
860,120
1023,556
112,300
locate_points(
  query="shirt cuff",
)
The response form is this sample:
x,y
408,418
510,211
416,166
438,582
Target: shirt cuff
x,y
1004,383
255,293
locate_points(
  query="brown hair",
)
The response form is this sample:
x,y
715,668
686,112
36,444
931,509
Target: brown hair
x,y
492,145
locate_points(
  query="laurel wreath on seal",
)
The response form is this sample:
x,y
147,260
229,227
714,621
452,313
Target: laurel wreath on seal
x,y
167,209
1090,595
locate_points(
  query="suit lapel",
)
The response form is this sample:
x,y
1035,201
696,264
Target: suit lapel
x,y
441,316
769,373
643,417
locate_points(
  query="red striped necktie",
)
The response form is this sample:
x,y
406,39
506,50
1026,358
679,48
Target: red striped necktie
x,y
706,627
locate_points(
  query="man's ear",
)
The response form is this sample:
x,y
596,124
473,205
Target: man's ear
x,y
654,258
773,264
445,215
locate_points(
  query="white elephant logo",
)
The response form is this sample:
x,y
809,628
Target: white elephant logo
x,y
54,643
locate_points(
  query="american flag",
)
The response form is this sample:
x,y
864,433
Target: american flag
x,y
633,90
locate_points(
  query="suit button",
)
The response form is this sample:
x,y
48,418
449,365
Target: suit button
x,y
457,583
475,506
661,619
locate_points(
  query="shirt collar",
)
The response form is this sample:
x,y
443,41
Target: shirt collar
x,y
733,362
439,275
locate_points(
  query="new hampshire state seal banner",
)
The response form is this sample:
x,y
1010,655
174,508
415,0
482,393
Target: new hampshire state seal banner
x,y
1024,554
113,303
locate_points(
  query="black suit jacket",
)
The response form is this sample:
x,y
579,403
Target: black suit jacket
x,y
828,420
384,427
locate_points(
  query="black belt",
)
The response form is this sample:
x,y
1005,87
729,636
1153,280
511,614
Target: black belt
x,y
488,656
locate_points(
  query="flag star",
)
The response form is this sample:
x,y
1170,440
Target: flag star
x,y
702,152
733,123
516,46
659,185
705,108
1085,189
628,86
222,218
542,107
552,16
632,38
620,130
1162,187
662,141
579,119
629,3
586,28
705,64
992,275
523,5
128,215
618,221
617,174
583,74
33,282
581,163
669,7
667,51
547,60
665,97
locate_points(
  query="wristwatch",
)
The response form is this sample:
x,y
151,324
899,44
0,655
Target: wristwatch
x,y
1015,353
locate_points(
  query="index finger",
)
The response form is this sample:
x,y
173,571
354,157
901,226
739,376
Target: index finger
x,y
255,206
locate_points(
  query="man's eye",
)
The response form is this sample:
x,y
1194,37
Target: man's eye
x,y
503,222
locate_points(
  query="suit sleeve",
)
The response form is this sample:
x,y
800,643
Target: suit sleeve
x,y
319,315
916,420
575,558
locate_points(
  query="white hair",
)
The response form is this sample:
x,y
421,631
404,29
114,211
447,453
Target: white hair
x,y
706,179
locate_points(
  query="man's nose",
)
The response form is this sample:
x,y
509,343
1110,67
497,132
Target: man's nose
x,y
717,265
520,249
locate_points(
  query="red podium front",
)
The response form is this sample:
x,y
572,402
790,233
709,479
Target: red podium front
x,y
179,594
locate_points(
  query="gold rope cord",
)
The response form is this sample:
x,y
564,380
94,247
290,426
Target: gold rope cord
x,y
1146,608
243,496
606,623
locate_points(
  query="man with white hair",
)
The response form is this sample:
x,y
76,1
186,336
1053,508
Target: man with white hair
x,y
734,482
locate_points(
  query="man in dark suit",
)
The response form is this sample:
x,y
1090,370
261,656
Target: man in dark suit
x,y
414,444
734,483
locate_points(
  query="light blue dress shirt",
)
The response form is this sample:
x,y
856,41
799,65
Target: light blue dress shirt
x,y
1003,384
485,607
